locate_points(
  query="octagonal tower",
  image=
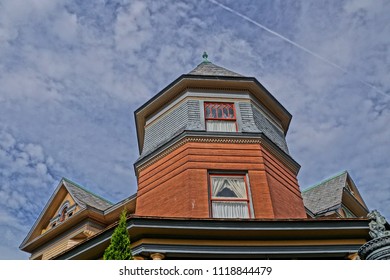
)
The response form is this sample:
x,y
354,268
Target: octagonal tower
x,y
212,145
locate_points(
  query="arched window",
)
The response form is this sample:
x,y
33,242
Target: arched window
x,y
63,214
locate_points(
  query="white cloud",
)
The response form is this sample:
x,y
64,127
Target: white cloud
x,y
26,182
132,27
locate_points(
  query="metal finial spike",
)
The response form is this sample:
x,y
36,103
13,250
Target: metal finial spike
x,y
205,56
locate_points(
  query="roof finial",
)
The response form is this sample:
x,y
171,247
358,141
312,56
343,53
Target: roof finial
x,y
205,56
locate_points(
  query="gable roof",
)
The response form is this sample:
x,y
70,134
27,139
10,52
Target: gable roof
x,y
331,194
81,196
326,195
85,198
207,68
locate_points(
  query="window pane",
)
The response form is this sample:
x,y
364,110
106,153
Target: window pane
x,y
208,112
226,192
219,111
231,112
347,212
226,126
214,112
230,187
226,113
228,209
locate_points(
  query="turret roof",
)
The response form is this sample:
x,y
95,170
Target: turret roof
x,y
207,68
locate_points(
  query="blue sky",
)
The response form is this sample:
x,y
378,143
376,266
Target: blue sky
x,y
73,72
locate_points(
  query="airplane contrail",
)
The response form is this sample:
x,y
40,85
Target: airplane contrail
x,y
295,44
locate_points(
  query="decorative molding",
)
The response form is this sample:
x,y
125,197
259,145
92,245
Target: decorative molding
x,y
377,225
291,164
188,228
379,247
376,249
157,256
248,252
215,89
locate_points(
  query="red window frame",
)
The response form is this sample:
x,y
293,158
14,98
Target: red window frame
x,y
211,198
225,108
224,111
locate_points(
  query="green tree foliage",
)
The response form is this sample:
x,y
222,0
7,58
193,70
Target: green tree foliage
x,y
119,248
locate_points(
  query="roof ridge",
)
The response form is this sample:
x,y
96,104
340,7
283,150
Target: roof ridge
x,y
84,189
325,180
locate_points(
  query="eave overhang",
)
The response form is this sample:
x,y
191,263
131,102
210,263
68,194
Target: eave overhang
x,y
344,234
187,81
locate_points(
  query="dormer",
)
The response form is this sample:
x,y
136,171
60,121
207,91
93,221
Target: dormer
x,y
336,196
71,215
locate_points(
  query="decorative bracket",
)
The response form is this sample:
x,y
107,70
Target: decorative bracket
x,y
377,225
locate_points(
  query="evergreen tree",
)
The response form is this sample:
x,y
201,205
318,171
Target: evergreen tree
x,y
119,248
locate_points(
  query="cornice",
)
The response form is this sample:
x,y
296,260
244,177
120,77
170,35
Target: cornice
x,y
184,228
209,137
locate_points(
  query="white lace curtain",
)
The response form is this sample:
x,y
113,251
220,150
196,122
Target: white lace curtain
x,y
229,209
227,126
236,185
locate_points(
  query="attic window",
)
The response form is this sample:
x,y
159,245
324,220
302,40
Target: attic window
x,y
63,214
220,117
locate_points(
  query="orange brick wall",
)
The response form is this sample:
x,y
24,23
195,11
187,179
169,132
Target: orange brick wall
x,y
177,185
261,197
284,189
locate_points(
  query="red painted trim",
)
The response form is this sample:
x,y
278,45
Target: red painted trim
x,y
220,119
217,105
228,105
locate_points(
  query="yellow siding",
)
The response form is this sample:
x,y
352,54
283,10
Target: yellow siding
x,y
66,242
56,249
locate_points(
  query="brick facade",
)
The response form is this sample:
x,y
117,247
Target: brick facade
x,y
177,185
